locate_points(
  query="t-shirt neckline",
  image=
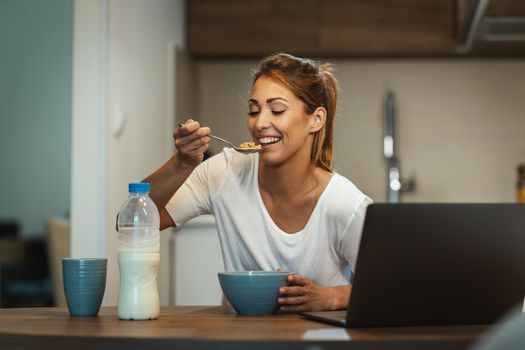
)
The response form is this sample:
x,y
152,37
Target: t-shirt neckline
x,y
269,217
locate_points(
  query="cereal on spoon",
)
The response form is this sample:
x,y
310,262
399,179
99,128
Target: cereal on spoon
x,y
249,144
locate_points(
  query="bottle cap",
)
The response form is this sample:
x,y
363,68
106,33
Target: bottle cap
x,y
138,187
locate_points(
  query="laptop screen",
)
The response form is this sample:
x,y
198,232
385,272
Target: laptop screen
x,y
438,264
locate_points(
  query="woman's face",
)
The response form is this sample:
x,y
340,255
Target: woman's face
x,y
278,122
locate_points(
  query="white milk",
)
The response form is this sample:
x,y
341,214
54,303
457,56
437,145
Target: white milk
x,y
139,294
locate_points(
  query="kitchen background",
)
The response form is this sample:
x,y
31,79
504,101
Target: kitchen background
x,y
91,90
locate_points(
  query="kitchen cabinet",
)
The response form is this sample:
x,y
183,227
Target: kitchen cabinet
x,y
350,28
196,258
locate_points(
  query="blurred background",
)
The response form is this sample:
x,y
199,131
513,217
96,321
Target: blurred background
x,y
431,109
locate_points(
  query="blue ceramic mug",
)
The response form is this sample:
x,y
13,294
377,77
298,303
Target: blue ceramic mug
x,y
84,284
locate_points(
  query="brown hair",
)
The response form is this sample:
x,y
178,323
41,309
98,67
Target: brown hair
x,y
315,85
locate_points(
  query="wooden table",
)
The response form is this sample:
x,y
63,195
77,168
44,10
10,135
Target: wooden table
x,y
201,327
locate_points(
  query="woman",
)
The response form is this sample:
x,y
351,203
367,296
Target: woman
x,y
282,208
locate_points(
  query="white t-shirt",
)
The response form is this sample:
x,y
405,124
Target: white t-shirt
x,y
226,186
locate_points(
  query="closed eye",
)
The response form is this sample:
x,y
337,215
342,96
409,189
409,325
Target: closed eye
x,y
255,113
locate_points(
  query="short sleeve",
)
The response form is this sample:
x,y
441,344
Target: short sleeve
x,y
352,233
194,197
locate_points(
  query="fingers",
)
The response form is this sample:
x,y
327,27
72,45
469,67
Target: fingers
x,y
187,127
188,121
291,291
191,127
190,136
191,141
311,297
198,150
295,303
299,285
295,295
298,280
300,295
292,300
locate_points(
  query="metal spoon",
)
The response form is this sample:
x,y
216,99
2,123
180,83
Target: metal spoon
x,y
238,149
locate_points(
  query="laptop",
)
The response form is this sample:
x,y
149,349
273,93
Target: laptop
x,y
435,264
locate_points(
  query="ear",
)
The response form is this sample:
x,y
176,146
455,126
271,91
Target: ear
x,y
318,118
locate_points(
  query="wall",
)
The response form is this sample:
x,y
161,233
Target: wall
x,y
124,64
460,123
141,83
35,110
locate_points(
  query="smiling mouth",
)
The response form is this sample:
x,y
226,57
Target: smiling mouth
x,y
268,140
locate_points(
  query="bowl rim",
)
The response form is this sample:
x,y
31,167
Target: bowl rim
x,y
255,273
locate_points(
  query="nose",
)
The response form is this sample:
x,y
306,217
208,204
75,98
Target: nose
x,y
263,120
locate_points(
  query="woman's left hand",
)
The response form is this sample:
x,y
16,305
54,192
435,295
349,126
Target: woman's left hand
x,y
304,295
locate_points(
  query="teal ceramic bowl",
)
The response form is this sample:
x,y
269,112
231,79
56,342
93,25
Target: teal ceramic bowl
x,y
253,292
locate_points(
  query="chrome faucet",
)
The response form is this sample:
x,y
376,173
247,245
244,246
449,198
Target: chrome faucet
x,y
395,184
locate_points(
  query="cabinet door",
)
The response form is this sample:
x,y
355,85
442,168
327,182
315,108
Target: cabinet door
x,y
321,27
196,260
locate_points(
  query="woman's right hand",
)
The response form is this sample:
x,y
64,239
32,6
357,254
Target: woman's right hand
x,y
191,140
